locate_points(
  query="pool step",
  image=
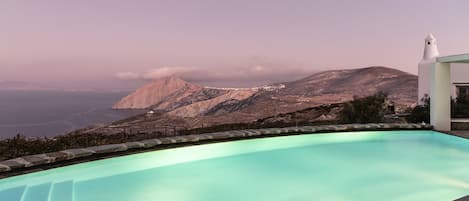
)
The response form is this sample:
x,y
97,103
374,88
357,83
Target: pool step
x,y
62,191
12,194
37,192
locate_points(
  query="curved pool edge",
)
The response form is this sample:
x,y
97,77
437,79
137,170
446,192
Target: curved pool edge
x,y
169,158
40,162
464,198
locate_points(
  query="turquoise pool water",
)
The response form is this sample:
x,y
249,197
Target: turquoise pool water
x,y
391,165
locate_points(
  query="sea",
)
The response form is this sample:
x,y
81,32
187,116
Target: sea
x,y
51,113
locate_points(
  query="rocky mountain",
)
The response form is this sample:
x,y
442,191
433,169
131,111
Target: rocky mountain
x,y
167,94
181,98
193,106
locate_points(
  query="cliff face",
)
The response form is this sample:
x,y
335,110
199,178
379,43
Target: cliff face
x,y
179,97
162,94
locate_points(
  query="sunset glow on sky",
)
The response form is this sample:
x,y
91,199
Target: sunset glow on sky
x,y
108,44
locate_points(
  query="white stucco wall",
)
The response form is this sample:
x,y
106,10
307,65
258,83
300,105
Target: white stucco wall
x,y
424,79
459,74
440,91
430,53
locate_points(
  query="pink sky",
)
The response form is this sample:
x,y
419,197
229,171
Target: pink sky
x,y
85,43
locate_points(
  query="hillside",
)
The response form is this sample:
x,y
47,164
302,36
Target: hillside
x,y
400,86
325,88
203,107
192,106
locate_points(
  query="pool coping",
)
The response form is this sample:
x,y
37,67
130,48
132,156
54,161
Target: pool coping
x,y
457,133
39,162
465,198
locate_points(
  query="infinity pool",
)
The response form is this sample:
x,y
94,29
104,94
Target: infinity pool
x,y
390,165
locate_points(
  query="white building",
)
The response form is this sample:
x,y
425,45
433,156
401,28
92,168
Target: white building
x,y
442,77
459,72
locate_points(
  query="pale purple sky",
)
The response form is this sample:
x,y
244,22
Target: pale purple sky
x,y
90,43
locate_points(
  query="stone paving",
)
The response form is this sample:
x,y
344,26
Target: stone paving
x,y
21,163
463,134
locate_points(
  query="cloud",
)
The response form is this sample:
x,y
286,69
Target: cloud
x,y
167,71
128,75
249,74
262,73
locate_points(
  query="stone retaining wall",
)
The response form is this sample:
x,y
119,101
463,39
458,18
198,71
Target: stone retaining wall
x,y
71,154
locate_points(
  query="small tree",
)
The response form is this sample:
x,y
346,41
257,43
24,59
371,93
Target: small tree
x,y
369,109
421,112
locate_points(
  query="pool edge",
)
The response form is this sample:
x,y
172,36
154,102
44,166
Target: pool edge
x,y
21,166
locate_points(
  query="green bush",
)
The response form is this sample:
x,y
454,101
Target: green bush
x,y
369,109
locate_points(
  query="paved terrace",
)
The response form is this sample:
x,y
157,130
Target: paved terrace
x,y
34,163
463,134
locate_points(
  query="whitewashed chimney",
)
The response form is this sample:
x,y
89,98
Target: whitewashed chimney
x,y
431,49
430,53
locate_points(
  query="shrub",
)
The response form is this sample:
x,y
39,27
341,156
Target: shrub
x,y
369,109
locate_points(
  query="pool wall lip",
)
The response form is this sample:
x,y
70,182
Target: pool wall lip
x,y
465,198
39,162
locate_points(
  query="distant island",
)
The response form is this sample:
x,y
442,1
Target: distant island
x,y
13,85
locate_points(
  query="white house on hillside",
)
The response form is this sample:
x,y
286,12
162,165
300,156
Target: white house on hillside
x,y
442,77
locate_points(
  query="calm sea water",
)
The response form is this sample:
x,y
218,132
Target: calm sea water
x,y
52,113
